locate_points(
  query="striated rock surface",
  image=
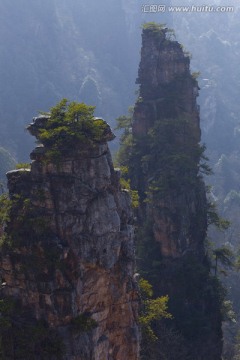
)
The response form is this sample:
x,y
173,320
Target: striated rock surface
x,y
168,95
68,266
167,88
165,164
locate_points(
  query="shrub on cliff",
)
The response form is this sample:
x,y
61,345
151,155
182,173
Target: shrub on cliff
x,y
151,310
71,122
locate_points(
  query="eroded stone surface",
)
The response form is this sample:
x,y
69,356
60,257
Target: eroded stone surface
x,y
76,254
168,91
173,204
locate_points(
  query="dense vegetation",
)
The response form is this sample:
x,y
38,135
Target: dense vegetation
x,y
69,126
71,122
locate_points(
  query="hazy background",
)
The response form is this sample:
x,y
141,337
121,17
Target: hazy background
x,y
89,51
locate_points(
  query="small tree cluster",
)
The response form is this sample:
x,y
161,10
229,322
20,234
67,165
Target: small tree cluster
x,y
152,309
70,125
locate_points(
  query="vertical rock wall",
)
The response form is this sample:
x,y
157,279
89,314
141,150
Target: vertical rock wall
x,y
71,260
168,92
164,167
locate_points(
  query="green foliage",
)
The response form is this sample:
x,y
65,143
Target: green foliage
x,y
214,218
174,159
151,310
154,309
193,287
195,74
29,224
237,347
126,184
169,155
124,122
70,124
227,311
237,260
219,294
146,288
5,206
224,255
166,165
83,323
204,168
125,152
153,26
23,166
165,34
19,230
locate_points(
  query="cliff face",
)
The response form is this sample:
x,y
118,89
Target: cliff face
x,y
166,86
165,164
67,261
168,97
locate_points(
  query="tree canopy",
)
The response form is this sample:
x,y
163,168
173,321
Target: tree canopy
x,y
71,122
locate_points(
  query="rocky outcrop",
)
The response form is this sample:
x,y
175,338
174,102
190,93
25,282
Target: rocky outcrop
x,y
165,164
167,88
67,261
168,95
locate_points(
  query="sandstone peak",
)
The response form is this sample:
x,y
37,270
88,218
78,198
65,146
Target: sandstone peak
x,y
67,262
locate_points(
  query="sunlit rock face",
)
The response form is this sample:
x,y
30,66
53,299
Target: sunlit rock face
x,y
72,260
